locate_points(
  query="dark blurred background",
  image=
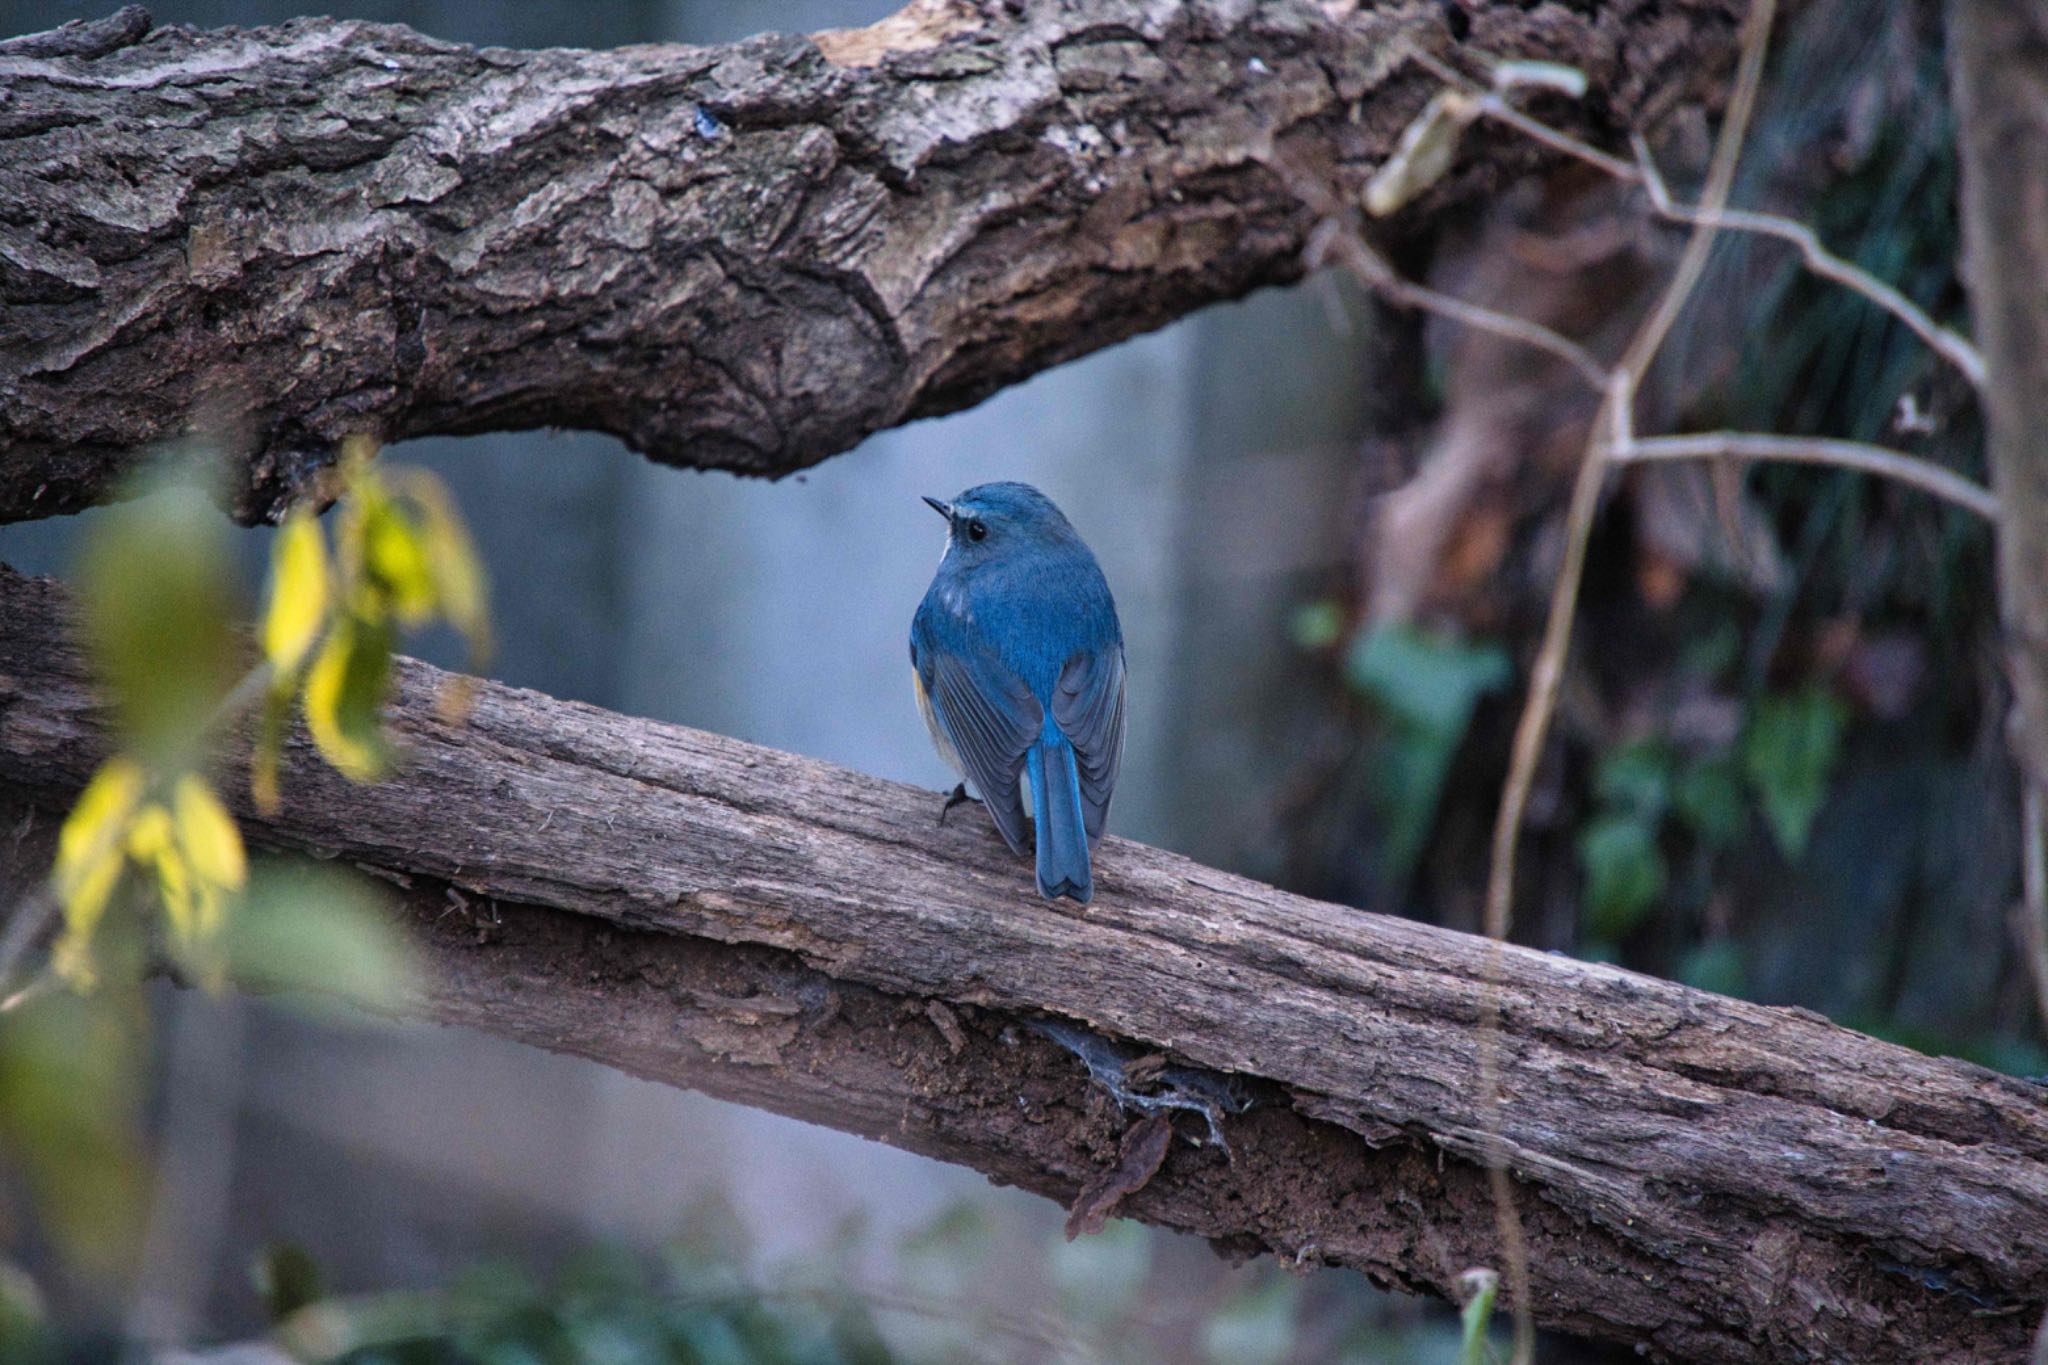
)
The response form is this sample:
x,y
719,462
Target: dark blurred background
x,y
1331,530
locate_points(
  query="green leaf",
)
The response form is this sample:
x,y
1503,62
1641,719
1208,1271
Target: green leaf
x,y
1637,778
1716,967
1477,1315
69,1089
307,927
1430,681
1624,874
1708,798
1427,687
1788,753
92,850
461,589
395,555
156,593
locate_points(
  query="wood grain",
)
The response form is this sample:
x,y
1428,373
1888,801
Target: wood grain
x,y
745,257
1707,1178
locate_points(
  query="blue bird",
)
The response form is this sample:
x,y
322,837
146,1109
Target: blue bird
x,y
1019,666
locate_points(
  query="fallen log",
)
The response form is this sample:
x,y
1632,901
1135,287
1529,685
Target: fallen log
x,y
1706,1178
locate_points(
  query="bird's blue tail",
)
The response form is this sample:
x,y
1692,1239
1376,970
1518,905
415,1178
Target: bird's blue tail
x,y
1056,809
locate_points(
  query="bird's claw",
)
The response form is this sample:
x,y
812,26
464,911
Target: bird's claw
x,y
958,797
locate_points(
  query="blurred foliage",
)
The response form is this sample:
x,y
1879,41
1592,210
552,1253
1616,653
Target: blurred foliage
x,y
157,602
1257,1325
605,1306
1648,794
1791,785
1476,1318
1788,751
1425,687
70,1091
157,598
402,558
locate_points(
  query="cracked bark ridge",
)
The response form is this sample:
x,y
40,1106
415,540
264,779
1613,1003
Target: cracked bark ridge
x,y
1709,1179
745,257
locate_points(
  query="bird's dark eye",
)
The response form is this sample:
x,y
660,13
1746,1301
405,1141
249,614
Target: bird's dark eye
x,y
976,531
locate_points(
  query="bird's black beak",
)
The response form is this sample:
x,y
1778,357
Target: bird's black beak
x,y
944,509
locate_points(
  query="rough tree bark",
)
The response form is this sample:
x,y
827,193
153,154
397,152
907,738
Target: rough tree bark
x,y
745,257
1709,1179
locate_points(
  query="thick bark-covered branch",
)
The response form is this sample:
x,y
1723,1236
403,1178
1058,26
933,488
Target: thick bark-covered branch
x,y
745,257
1711,1179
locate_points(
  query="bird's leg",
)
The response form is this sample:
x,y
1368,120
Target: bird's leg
x,y
958,797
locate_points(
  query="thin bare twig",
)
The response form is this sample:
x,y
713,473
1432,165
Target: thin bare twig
x,y
1895,465
1334,238
1617,413
1944,342
1949,344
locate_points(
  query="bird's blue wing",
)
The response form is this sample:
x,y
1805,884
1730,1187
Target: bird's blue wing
x,y
1088,706
992,719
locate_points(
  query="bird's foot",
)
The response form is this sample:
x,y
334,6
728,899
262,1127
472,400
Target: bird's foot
x,y
959,797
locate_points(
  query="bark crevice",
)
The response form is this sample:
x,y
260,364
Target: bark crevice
x,y
746,257
1703,1177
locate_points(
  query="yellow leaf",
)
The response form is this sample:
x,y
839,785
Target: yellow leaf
x,y
89,847
149,833
298,591
174,886
458,570
345,698
208,835
396,557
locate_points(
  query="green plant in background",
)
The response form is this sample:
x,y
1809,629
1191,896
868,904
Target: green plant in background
x,y
604,1306
1426,688
1788,750
1649,794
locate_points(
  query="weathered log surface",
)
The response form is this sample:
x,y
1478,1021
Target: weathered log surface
x,y
744,257
1711,1179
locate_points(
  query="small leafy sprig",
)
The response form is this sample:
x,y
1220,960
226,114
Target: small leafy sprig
x,y
402,559
156,598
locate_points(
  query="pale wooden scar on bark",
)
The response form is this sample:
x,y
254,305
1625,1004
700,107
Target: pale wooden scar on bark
x,y
745,257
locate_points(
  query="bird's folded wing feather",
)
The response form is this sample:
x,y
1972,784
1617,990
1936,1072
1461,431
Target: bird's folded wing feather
x,y
1088,706
992,719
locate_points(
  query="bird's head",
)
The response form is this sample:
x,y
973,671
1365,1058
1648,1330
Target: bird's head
x,y
993,519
